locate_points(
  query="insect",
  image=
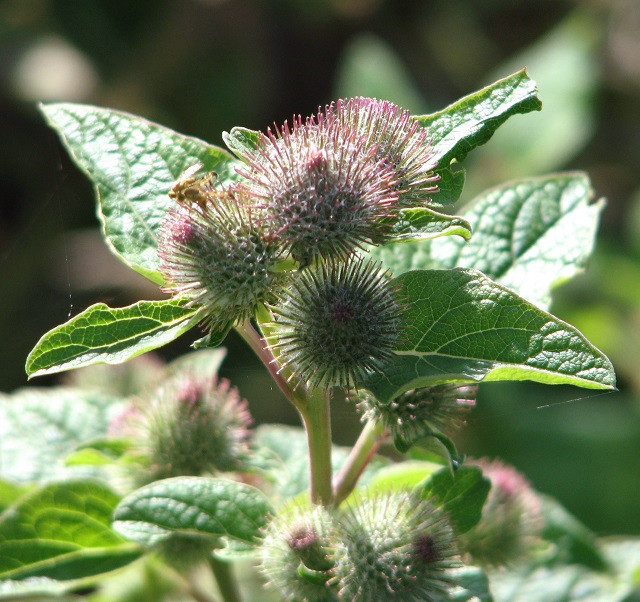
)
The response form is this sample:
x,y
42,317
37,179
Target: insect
x,y
192,187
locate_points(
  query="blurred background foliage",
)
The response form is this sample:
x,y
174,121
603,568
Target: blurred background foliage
x,y
203,66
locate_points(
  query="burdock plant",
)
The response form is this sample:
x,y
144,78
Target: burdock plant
x,y
321,242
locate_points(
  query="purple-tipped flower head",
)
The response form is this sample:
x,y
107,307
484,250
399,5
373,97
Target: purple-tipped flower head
x,y
398,141
511,518
195,425
395,545
320,191
337,322
214,253
296,554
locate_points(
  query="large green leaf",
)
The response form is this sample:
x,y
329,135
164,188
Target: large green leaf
x,y
102,334
40,427
192,505
472,120
460,326
62,531
529,235
461,493
132,164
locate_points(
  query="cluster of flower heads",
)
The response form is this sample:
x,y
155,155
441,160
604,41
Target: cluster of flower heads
x,y
393,545
316,193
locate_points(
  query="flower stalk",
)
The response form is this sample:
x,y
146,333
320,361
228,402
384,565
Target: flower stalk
x,y
316,415
364,449
227,583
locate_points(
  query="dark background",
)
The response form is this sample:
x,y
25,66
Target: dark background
x,y
202,67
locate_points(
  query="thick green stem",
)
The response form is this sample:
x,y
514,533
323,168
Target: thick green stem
x,y
314,408
316,415
361,454
225,579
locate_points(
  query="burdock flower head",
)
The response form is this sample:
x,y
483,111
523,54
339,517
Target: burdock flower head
x,y
398,141
321,191
336,322
395,545
195,425
418,412
511,518
297,554
213,252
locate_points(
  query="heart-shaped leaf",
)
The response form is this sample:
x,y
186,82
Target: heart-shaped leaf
x,y
101,334
192,505
463,327
132,164
530,235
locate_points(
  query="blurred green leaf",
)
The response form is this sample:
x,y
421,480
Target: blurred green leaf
x,y
193,506
621,583
99,452
574,543
205,362
530,583
541,585
460,326
370,67
403,475
472,585
62,531
529,235
461,494
40,427
101,334
132,164
10,492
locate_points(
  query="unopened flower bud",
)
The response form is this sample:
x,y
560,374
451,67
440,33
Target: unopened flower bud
x,y
511,518
195,426
418,412
397,546
215,254
296,554
336,322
